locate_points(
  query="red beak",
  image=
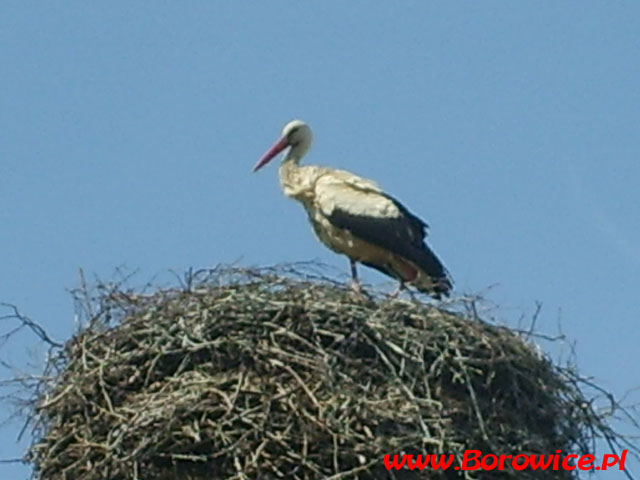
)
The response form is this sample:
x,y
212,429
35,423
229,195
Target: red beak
x,y
272,152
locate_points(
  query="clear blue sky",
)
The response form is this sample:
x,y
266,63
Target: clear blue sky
x,y
128,131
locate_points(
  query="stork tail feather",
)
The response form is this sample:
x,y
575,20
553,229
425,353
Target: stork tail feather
x,y
438,281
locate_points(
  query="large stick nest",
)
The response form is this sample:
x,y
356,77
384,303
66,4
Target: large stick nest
x,y
257,375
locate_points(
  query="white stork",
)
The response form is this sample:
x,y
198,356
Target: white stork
x,y
353,216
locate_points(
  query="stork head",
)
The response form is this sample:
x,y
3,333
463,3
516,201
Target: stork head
x,y
295,134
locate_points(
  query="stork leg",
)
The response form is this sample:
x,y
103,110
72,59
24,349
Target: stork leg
x,y
355,283
399,288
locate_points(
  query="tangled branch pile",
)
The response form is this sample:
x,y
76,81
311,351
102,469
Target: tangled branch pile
x,y
257,375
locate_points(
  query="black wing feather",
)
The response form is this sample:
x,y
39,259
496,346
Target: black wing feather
x,y
417,224
402,235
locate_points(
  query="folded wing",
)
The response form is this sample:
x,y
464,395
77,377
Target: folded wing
x,y
362,208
